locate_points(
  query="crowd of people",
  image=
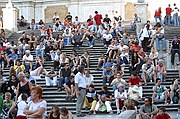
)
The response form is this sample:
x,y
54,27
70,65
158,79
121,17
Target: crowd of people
x,y
72,73
171,17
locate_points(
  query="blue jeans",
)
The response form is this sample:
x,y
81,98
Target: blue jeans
x,y
156,18
67,41
160,76
40,52
106,42
175,19
162,38
133,27
90,42
168,20
62,81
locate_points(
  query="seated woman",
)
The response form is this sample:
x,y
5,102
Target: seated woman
x,y
174,91
39,62
107,62
19,67
160,71
12,85
112,50
134,63
59,41
129,105
37,107
101,60
55,113
65,114
89,78
104,98
120,95
70,89
85,59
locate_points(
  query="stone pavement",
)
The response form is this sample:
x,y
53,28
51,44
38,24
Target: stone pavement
x,y
114,116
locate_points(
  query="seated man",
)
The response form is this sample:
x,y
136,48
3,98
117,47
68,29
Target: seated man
x,y
64,75
134,80
160,92
107,75
29,77
77,39
162,114
107,38
51,77
147,71
104,98
12,58
89,38
120,95
67,37
90,99
148,110
28,60
118,81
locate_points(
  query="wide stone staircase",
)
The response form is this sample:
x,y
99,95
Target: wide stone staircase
x,y
53,97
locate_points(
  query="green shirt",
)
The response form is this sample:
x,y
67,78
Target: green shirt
x,y
1,104
148,109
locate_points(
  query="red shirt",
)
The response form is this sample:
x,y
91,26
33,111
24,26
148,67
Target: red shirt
x,y
168,11
134,81
90,23
165,116
98,18
158,13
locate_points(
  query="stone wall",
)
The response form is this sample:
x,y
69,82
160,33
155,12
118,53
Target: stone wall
x,y
61,10
129,11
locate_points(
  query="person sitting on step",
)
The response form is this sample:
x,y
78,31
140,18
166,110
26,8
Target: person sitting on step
x,y
160,92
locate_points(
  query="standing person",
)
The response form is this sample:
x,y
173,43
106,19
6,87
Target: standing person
x,y
162,114
148,110
80,87
175,15
175,48
97,19
168,15
37,106
157,15
22,87
21,106
136,20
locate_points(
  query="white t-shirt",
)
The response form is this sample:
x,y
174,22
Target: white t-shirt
x,y
21,106
107,37
35,107
30,57
89,79
117,94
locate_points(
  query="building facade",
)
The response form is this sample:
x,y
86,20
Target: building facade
x,y
44,9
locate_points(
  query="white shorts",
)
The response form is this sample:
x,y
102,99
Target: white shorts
x,y
160,97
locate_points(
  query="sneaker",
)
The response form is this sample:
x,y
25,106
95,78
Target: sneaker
x,y
90,112
171,102
94,112
105,46
118,112
111,112
91,46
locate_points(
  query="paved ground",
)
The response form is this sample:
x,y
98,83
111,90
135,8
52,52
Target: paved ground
x,y
114,116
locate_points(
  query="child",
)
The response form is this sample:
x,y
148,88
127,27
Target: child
x,y
7,102
21,106
55,113
65,114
